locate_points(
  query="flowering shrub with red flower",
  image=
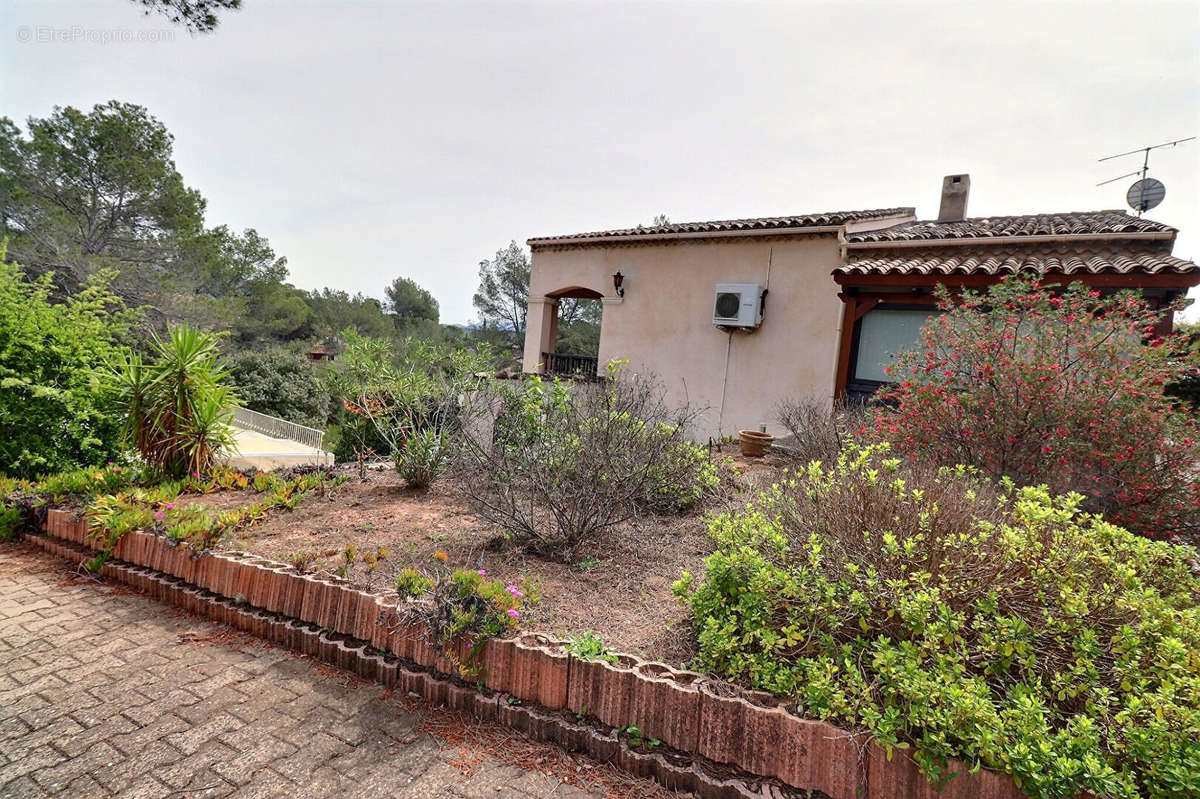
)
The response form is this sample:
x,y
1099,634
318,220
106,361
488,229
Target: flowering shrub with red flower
x,y
1058,386
1186,386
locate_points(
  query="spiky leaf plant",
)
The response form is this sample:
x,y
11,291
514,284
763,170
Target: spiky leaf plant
x,y
178,408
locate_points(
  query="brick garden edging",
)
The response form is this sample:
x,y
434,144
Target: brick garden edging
x,y
752,732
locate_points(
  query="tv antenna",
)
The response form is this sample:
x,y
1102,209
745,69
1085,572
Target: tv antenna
x,y
1147,192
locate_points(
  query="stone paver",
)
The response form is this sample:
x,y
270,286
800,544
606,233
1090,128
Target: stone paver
x,y
106,693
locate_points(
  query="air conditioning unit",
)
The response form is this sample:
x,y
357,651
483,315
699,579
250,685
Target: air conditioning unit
x,y
738,305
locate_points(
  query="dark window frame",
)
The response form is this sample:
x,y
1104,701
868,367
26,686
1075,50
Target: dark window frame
x,y
863,388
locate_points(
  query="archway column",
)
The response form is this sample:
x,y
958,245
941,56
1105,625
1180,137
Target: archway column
x,y
541,330
607,352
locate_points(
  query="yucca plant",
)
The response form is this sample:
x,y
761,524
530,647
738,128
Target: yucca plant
x,y
178,408
131,379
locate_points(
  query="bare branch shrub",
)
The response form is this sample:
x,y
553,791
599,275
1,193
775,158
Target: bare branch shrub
x,y
819,431
927,513
566,462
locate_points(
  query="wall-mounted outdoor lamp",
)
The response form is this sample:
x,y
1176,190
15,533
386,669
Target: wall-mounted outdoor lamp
x,y
618,282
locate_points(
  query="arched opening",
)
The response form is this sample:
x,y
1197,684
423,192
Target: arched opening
x,y
575,332
576,292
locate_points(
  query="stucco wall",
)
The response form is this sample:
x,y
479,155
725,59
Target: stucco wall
x,y
664,323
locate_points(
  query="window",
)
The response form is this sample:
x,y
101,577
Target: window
x,y
882,334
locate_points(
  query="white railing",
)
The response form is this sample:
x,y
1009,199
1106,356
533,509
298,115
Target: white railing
x,y
278,428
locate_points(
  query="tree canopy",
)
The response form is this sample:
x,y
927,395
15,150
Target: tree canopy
x,y
281,383
86,190
503,295
502,300
198,16
407,302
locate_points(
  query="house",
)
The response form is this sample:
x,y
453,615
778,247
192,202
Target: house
x,y
320,352
735,316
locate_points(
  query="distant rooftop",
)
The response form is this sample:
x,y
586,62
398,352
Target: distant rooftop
x,y
1064,224
831,218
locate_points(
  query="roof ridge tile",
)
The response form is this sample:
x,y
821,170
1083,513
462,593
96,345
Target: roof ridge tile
x,y
751,223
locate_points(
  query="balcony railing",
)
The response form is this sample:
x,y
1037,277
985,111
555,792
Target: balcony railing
x,y
581,366
278,428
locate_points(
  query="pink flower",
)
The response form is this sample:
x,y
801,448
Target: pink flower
x,y
483,572
196,475
514,613
159,515
516,592
170,506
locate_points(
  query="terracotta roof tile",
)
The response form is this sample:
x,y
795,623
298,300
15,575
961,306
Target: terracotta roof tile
x,y
1008,263
729,225
1075,223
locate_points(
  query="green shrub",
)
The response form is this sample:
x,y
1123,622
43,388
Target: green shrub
x,y
281,383
686,475
998,625
53,414
412,399
411,583
590,646
422,456
354,435
10,522
568,462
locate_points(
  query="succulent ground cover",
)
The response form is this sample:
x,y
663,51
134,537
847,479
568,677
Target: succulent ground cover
x,y
370,530
120,499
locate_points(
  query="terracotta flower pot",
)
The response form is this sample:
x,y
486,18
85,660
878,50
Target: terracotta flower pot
x,y
753,443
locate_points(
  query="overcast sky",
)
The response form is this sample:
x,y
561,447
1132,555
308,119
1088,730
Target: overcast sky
x,y
368,140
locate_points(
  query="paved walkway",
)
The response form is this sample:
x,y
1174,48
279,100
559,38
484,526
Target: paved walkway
x,y
253,450
106,693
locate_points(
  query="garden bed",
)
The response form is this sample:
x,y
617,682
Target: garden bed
x,y
534,684
621,589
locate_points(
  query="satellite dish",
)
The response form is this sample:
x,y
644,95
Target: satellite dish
x,y
1147,193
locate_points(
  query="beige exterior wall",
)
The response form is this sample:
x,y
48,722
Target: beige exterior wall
x,y
664,322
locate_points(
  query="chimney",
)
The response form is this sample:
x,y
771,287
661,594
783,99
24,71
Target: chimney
x,y
955,189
